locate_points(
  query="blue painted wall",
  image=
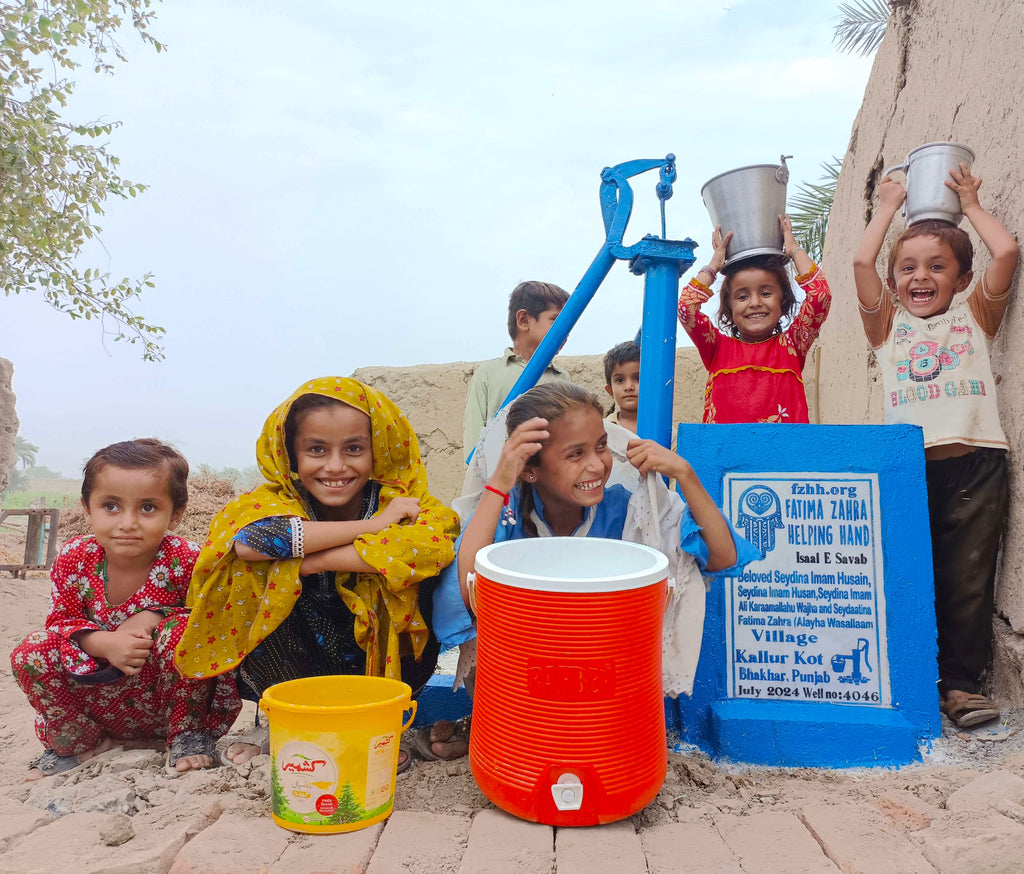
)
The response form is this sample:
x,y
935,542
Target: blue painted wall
x,y
798,733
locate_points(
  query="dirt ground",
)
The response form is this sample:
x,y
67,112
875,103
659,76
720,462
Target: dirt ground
x,y
133,782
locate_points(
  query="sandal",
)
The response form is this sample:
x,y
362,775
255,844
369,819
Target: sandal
x,y
257,736
50,763
969,711
406,763
189,743
459,734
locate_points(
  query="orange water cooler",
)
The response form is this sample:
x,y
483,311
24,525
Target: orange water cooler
x,y
568,712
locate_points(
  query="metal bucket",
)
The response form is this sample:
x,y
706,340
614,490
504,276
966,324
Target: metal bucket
x,y
748,201
927,168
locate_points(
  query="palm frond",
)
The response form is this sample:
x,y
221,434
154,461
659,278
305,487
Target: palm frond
x,y
861,26
810,206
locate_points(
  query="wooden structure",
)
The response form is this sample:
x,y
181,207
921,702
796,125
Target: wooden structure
x,y
40,540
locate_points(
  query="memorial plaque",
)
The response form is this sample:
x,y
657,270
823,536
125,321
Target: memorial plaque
x,y
807,622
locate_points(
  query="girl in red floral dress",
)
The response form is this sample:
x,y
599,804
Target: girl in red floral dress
x,y
755,369
102,669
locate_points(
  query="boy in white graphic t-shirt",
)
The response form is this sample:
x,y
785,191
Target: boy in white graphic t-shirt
x,y
934,354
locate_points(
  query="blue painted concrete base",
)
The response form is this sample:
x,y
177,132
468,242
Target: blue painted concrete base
x,y
437,701
791,734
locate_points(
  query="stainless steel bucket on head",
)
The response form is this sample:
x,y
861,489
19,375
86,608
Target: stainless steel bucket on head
x,y
748,201
927,168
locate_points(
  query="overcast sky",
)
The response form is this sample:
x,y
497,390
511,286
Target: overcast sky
x,y
337,184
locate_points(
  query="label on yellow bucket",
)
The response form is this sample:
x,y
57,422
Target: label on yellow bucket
x,y
321,779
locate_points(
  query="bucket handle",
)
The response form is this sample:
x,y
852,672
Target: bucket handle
x,y
412,715
471,588
670,592
902,168
782,173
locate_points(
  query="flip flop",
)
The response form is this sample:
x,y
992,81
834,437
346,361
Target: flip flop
x,y
50,763
403,747
970,711
257,736
421,740
189,743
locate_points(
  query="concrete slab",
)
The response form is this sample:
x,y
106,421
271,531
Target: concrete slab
x,y
73,843
983,842
420,842
692,846
505,843
767,843
18,820
860,840
232,845
987,792
345,853
602,849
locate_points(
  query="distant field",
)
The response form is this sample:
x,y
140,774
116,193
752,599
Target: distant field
x,y
21,499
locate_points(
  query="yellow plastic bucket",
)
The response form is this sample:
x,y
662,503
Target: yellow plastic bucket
x,y
334,750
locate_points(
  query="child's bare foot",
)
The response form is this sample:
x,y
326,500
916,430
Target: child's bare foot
x,y
189,751
50,763
248,745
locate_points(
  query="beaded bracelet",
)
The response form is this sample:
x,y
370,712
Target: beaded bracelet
x,y
707,269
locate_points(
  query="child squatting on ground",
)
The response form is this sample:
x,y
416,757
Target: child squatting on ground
x,y
550,480
933,351
327,567
755,370
622,382
532,309
102,669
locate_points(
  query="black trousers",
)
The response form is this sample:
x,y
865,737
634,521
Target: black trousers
x,y
968,498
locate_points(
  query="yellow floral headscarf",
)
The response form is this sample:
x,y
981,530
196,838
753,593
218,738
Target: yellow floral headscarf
x,y
235,604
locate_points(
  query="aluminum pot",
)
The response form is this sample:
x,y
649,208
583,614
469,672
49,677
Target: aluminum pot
x,y
748,201
927,168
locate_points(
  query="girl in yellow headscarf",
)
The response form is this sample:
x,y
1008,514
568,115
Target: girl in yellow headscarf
x,y
327,567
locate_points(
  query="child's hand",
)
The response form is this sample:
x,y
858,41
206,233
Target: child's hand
x,y
891,193
965,185
649,455
143,622
398,510
789,243
720,244
127,649
521,445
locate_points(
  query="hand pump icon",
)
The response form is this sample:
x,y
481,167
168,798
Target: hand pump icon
x,y
839,663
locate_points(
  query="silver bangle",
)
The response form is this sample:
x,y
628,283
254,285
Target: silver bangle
x,y
298,538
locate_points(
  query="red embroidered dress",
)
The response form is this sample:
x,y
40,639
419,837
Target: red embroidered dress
x,y
756,382
72,718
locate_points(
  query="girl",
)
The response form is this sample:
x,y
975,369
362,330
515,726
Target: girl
x,y
102,670
326,568
551,479
754,371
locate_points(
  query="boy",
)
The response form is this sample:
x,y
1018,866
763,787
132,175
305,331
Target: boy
x,y
934,356
622,382
532,309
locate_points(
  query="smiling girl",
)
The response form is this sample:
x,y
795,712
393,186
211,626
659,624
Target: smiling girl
x,y
551,479
325,568
755,370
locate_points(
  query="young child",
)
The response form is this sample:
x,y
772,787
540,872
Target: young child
x,y
755,371
532,310
327,567
933,351
622,382
102,670
550,480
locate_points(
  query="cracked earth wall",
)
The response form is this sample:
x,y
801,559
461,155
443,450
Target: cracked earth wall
x,y
946,70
